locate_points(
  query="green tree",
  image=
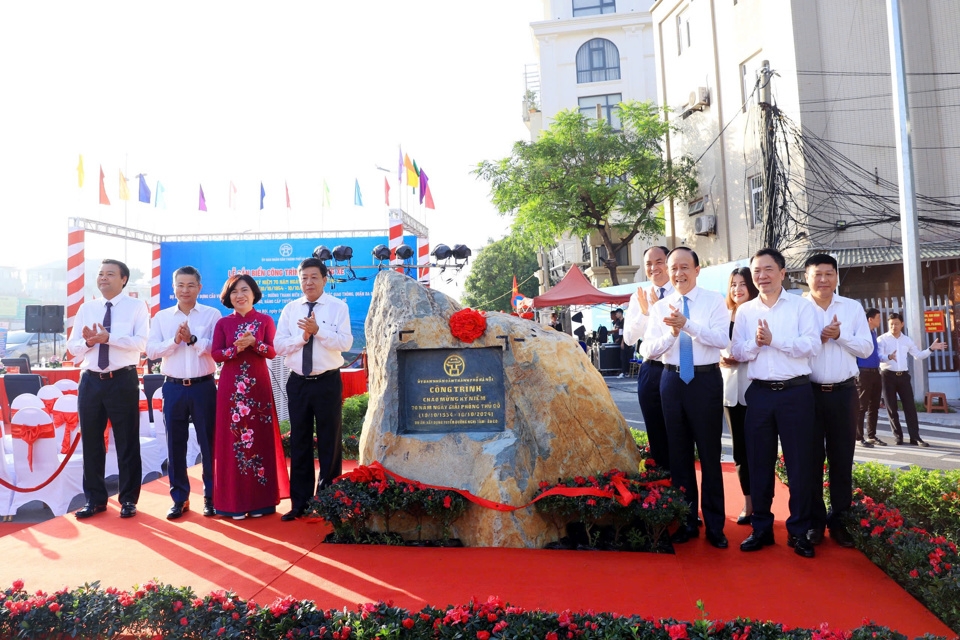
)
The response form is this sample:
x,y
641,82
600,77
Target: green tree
x,y
582,175
490,283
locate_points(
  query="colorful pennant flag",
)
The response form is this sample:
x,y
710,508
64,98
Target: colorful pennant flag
x,y
423,185
412,179
103,192
80,172
357,197
263,194
160,202
287,190
326,193
232,196
400,165
386,191
124,191
428,199
203,200
416,172
145,194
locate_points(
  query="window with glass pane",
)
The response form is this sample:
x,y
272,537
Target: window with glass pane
x,y
609,109
598,60
593,7
756,200
683,32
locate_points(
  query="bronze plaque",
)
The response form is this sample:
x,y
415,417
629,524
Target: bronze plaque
x,y
451,390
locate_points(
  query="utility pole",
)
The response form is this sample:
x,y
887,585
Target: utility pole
x,y
909,227
768,151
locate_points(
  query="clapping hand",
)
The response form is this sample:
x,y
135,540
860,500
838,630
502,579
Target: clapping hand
x,y
764,337
96,334
244,341
643,300
308,325
183,333
675,320
831,331
938,346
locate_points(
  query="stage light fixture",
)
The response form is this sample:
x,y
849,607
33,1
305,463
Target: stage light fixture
x,y
322,253
342,253
461,251
442,252
404,252
381,252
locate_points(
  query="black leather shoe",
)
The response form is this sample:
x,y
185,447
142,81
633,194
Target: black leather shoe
x,y
208,509
815,536
178,509
717,539
899,442
293,514
88,510
128,510
920,443
841,536
868,445
757,540
802,547
684,534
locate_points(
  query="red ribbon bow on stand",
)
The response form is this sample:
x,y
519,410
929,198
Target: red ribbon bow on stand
x,y
31,434
48,404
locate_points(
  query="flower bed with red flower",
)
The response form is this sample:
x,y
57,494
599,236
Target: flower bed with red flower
x,y
636,516
467,325
352,500
163,612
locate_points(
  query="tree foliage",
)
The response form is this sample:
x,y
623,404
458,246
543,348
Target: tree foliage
x,y
490,283
582,175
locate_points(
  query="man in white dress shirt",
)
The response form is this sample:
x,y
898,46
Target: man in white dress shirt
x,y
844,337
687,330
895,348
182,336
776,334
312,332
108,335
635,322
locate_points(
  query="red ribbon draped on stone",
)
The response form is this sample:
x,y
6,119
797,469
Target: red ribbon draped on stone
x,y
31,434
376,471
71,420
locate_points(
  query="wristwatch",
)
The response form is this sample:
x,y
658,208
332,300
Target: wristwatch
x,y
192,341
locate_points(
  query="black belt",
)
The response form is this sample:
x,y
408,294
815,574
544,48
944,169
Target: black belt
x,y
319,376
895,373
700,368
106,375
655,363
780,385
869,368
849,382
188,381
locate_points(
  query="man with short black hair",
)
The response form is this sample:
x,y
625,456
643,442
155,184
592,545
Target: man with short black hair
x,y
108,335
870,387
895,347
312,332
635,323
844,337
776,334
182,335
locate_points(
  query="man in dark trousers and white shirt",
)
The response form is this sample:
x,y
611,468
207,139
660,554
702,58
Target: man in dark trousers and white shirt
x,y
896,347
687,329
312,332
870,387
635,322
844,337
776,334
108,335
182,335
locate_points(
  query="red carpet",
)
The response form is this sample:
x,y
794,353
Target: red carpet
x,y
264,558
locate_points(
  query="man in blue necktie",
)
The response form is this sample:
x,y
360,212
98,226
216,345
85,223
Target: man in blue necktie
x,y
870,387
688,328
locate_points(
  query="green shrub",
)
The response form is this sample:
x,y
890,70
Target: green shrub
x,y
354,410
875,478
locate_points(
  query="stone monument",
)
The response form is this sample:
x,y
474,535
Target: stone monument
x,y
520,405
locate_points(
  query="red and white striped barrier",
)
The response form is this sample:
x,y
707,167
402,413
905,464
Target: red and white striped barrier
x,y
423,259
75,240
396,239
155,282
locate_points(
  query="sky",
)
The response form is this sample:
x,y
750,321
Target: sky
x,y
295,92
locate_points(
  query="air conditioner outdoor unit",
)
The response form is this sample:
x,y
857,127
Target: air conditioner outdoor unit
x,y
699,98
705,225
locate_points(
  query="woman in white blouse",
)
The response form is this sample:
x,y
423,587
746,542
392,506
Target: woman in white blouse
x,y
735,382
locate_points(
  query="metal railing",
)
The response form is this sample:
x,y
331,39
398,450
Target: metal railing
x,y
939,361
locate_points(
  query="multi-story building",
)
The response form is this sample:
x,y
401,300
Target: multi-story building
x,y
592,52
831,87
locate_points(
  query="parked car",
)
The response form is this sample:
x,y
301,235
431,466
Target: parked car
x,y
23,344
